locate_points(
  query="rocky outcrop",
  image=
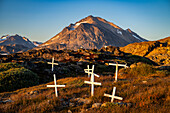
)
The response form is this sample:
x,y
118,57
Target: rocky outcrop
x,y
157,51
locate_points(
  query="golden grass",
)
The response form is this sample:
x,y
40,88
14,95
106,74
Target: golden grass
x,y
146,93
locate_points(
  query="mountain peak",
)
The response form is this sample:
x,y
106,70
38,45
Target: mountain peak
x,y
16,35
90,16
91,32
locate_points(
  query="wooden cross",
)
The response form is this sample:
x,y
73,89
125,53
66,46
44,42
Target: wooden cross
x,y
117,68
88,70
92,83
52,64
55,86
113,95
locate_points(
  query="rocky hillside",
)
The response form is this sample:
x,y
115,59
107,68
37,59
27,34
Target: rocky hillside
x,y
13,44
89,33
157,51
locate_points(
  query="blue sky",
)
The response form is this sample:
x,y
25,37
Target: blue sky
x,y
40,20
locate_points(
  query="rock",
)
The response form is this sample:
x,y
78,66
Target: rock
x,y
136,64
71,104
69,111
81,100
104,105
133,65
117,103
144,82
33,92
6,101
129,104
96,105
121,103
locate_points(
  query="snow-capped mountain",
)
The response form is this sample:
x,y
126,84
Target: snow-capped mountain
x,y
16,43
91,32
16,39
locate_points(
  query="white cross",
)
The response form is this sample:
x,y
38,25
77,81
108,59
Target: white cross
x,y
88,70
117,68
113,95
92,83
52,64
55,86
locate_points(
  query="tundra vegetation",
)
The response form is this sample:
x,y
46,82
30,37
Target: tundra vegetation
x,y
143,87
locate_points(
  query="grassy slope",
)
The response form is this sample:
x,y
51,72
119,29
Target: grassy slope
x,y
151,96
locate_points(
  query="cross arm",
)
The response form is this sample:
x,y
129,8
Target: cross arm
x,y
52,63
88,69
119,98
92,73
56,85
123,65
96,83
107,95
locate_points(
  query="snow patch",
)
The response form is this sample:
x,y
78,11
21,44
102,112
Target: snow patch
x,y
36,44
4,37
119,32
77,24
137,37
74,26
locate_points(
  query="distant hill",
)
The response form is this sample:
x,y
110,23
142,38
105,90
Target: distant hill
x,y
91,33
157,51
13,44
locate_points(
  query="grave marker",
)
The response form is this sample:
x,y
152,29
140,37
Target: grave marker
x,y
113,95
52,63
88,70
92,83
55,86
123,65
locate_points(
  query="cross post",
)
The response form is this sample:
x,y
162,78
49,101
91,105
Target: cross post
x,y
52,63
89,71
55,86
92,83
116,72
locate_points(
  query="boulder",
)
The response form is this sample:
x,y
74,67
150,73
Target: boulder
x,y
81,100
96,105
